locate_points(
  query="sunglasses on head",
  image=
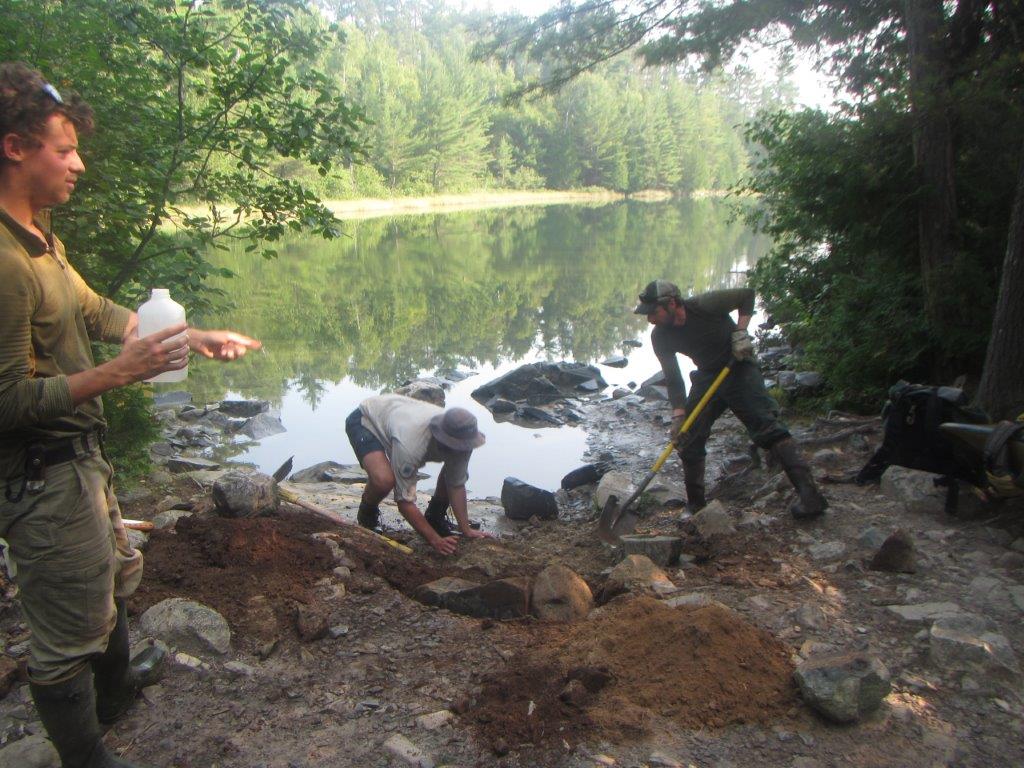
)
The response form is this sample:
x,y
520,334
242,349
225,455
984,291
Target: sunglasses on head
x,y
53,93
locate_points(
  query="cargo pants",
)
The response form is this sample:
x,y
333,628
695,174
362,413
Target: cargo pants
x,y
71,557
743,392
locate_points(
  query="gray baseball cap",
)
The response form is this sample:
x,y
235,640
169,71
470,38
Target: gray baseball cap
x,y
456,428
654,293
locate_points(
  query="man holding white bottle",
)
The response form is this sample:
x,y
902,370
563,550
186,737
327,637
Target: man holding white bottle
x,y
75,567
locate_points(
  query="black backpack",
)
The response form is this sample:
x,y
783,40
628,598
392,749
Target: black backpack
x,y
912,437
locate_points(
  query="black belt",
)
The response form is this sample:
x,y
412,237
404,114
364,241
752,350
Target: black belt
x,y
69,449
39,456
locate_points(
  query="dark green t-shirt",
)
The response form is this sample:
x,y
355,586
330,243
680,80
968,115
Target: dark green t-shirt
x,y
705,337
47,317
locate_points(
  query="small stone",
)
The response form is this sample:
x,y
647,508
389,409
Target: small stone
x,y
522,501
617,484
693,600
30,752
338,630
403,749
827,550
245,494
435,720
239,669
896,555
243,408
635,573
663,760
190,464
188,626
169,518
310,623
967,643
559,594
843,687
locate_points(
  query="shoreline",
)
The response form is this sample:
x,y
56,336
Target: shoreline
x,y
376,207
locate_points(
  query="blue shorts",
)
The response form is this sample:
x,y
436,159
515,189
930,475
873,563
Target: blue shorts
x,y
363,440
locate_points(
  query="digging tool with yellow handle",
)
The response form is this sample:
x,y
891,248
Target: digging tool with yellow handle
x,y
289,494
617,521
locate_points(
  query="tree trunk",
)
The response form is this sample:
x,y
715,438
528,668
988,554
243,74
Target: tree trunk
x,y
933,151
1001,390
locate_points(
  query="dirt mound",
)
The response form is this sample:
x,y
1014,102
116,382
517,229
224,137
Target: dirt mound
x,y
638,662
252,571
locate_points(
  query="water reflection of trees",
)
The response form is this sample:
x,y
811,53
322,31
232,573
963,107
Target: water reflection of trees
x,y
397,296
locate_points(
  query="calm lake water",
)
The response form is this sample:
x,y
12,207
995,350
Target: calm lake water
x,y
479,292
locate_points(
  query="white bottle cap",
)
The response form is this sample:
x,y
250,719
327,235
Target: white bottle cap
x,y
161,293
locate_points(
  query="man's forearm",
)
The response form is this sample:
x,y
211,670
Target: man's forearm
x,y
415,518
743,321
460,508
86,385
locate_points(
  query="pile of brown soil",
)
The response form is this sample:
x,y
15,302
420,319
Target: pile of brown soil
x,y
255,571
639,662
252,571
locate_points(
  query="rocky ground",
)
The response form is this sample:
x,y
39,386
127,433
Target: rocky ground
x,y
323,650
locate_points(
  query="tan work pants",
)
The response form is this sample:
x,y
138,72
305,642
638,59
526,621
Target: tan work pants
x,y
71,556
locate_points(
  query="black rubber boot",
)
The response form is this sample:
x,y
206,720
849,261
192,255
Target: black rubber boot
x,y
437,515
693,479
368,516
119,678
812,503
68,712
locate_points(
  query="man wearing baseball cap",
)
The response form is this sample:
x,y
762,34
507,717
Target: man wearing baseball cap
x,y
393,436
702,328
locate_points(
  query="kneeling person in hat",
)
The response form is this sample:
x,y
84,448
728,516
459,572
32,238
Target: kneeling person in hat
x,y
393,437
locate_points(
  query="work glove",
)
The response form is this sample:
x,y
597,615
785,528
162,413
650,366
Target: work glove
x,y
742,345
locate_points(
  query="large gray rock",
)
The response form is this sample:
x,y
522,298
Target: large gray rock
x,y
540,383
500,599
243,408
618,484
713,521
245,494
915,490
187,626
654,388
262,425
559,594
585,475
926,612
169,518
616,361
523,501
330,472
30,752
843,687
531,413
427,390
190,464
967,643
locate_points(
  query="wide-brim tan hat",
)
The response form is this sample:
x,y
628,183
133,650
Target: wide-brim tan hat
x,y
456,429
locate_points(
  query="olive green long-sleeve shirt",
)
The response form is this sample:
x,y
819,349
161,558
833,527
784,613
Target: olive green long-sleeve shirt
x,y
705,337
47,317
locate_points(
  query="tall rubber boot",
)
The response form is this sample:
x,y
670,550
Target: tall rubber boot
x,y
693,479
368,516
68,712
119,678
437,515
812,503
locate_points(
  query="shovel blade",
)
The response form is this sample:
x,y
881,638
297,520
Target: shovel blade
x,y
606,524
626,524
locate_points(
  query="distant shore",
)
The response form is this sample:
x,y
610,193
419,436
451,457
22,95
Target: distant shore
x,y
372,207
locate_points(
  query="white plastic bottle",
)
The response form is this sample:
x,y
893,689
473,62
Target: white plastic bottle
x,y
160,312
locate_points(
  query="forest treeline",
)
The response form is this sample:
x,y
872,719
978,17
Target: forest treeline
x,y
436,117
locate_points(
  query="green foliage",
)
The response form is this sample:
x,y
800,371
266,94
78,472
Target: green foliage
x,y
131,429
195,104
